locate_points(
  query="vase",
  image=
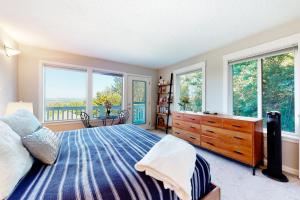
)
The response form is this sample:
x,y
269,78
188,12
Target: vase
x,y
107,112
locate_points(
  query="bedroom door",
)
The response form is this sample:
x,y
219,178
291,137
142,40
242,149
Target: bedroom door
x,y
138,103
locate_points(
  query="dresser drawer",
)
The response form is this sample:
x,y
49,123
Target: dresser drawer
x,y
178,124
178,131
238,125
192,127
210,131
211,121
178,116
192,118
191,137
241,155
209,140
212,145
236,138
233,152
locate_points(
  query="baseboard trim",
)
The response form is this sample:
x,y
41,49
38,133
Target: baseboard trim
x,y
286,169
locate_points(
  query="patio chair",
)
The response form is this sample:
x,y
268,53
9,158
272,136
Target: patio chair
x,y
123,116
85,118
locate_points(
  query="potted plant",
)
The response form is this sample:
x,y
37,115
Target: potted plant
x,y
108,106
184,101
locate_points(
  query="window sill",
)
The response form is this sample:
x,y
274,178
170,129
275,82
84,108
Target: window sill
x,y
62,122
286,136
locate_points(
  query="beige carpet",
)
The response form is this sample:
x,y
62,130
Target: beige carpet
x,y
237,183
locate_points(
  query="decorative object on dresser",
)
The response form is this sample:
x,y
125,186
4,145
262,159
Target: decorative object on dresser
x,y
164,100
238,138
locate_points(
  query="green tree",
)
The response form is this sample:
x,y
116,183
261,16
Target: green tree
x,y
191,87
112,94
277,88
244,85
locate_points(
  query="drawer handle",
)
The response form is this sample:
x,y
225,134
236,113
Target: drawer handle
x,y
237,152
239,138
212,122
193,119
236,126
210,143
210,131
193,127
177,133
177,123
192,138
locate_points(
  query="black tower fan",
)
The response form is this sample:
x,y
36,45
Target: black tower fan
x,y
274,167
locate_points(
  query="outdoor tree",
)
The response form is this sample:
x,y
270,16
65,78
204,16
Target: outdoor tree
x,y
191,88
277,88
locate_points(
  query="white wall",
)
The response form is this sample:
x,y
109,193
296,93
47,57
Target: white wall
x,y
8,73
31,57
214,75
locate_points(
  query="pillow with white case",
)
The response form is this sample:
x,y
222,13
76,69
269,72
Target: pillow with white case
x,y
43,144
22,122
15,160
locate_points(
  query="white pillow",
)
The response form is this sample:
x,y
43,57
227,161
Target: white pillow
x,y
43,144
22,122
15,160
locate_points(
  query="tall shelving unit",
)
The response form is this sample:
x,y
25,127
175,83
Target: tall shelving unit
x,y
164,101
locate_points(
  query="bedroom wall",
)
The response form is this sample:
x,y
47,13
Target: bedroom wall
x,y
214,77
8,72
28,73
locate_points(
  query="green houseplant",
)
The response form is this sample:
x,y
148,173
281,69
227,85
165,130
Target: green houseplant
x,y
184,101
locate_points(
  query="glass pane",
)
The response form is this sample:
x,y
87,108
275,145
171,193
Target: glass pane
x,y
191,91
244,86
139,102
65,93
278,88
107,87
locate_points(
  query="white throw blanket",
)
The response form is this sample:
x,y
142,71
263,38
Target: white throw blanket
x,y
171,161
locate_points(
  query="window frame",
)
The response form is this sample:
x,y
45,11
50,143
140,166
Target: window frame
x,y
265,50
89,70
189,69
61,67
103,72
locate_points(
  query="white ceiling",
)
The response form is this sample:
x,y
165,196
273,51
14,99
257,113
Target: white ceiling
x,y
151,33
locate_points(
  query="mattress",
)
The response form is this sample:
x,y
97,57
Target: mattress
x,y
98,163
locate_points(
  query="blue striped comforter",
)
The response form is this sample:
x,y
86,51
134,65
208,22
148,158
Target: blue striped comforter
x,y
98,163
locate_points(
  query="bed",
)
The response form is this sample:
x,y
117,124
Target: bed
x,y
98,163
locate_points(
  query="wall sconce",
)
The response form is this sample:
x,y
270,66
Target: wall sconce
x,y
11,51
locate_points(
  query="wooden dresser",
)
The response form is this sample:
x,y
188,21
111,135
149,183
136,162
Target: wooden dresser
x,y
239,138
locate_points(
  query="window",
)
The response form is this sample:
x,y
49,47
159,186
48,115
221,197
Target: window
x,y
244,88
190,92
107,87
70,90
278,88
65,93
264,84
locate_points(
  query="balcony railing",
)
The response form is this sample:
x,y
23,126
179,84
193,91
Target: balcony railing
x,y
139,113
73,112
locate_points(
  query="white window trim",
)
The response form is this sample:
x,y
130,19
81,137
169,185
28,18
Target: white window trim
x,y
183,70
89,71
265,48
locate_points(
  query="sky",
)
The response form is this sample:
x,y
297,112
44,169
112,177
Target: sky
x,y
64,83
